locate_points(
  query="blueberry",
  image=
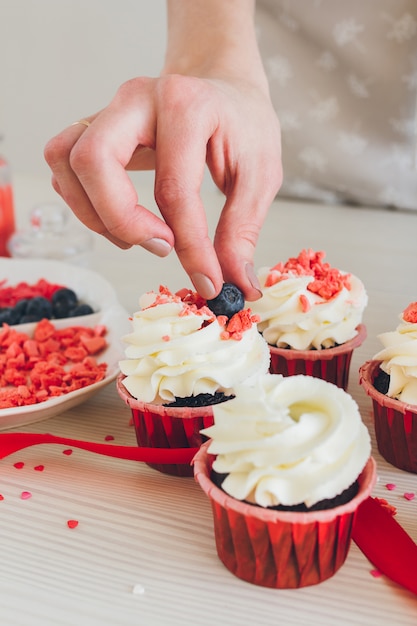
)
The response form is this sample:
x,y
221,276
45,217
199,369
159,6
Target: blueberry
x,y
39,307
63,301
81,309
26,319
20,307
6,316
229,301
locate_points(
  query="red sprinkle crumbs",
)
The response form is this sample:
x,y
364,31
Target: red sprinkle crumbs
x,y
410,313
328,281
193,304
39,468
238,323
18,465
72,523
10,296
52,363
67,452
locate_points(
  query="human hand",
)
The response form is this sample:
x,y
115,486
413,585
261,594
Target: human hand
x,y
176,124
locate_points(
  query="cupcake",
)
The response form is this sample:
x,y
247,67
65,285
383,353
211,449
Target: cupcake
x,y
181,359
390,379
310,315
285,468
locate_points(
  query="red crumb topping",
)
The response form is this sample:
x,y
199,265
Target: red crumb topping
x,y
305,304
193,304
410,313
328,281
11,295
51,363
236,326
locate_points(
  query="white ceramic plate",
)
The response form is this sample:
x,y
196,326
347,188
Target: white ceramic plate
x,y
91,288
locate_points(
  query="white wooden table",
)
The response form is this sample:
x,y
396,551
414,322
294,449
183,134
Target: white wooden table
x,y
143,552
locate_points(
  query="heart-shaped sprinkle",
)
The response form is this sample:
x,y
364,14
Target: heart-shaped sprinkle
x,y
18,465
25,495
39,468
390,486
72,523
67,452
409,496
1,497
109,438
376,573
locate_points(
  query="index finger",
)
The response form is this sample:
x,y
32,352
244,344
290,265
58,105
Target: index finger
x,y
181,148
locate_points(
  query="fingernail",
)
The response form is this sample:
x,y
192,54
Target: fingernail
x,y
203,285
252,277
157,246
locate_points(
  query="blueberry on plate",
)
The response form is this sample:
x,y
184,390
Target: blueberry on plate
x,y
229,301
6,316
81,309
63,301
39,308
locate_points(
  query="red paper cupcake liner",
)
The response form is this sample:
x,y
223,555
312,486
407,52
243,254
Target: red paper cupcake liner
x,y
280,549
330,364
395,422
158,426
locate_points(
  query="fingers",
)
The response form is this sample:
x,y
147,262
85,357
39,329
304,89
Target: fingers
x,y
88,166
255,183
183,133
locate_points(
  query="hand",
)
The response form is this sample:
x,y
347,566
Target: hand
x,y
175,124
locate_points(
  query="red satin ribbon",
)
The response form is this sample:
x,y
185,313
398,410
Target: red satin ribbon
x,y
386,544
377,534
13,442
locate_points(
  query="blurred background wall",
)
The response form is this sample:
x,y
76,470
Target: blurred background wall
x,y
61,60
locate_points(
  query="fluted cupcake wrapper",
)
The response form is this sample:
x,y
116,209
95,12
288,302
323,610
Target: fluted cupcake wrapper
x,y
395,422
158,426
280,549
330,364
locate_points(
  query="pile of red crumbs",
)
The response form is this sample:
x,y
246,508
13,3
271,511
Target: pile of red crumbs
x,y
328,281
51,363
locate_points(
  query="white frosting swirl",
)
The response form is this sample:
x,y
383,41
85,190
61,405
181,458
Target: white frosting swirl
x,y
291,315
399,360
176,350
288,441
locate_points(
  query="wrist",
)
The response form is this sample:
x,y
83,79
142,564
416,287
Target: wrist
x,y
214,39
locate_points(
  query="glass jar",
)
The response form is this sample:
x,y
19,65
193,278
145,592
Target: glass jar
x,y
52,233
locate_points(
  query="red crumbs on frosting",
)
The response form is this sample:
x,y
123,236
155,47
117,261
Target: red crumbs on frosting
x,y
193,304
328,281
236,326
410,313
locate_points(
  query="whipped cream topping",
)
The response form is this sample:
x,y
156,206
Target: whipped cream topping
x,y
308,304
399,357
179,348
288,440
